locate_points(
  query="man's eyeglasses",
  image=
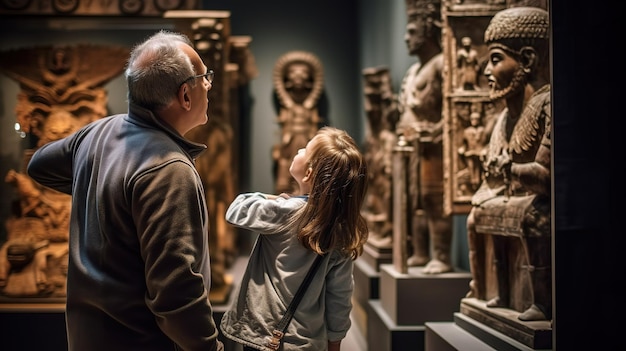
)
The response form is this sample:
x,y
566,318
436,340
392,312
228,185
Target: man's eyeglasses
x,y
208,75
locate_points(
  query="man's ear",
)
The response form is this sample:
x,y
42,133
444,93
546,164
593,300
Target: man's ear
x,y
183,97
528,58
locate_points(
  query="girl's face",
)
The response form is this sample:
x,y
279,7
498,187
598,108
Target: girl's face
x,y
300,164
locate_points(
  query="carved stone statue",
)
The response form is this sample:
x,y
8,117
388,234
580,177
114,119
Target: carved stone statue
x,y
60,92
472,151
512,206
298,83
420,104
468,65
381,111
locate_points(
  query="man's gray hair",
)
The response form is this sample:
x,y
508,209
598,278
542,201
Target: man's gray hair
x,y
156,69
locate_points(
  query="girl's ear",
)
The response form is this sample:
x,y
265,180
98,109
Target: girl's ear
x,y
307,175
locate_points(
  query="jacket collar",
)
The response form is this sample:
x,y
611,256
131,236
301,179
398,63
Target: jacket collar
x,y
141,115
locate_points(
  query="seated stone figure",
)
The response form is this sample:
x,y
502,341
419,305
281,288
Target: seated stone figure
x,y
512,204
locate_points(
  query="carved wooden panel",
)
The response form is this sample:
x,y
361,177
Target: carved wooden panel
x,y
465,21
90,8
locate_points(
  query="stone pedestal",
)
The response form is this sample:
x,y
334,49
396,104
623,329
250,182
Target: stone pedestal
x,y
376,255
467,334
416,298
407,301
534,334
384,334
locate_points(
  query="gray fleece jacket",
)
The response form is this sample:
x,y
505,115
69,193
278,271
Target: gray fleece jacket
x,y
276,268
139,265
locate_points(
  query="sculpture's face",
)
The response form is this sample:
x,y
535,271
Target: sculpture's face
x,y
415,35
504,73
298,75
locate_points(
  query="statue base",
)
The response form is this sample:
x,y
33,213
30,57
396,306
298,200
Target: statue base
x,y
466,333
407,301
533,334
376,255
415,298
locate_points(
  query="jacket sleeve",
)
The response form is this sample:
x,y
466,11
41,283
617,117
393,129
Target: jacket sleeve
x,y
253,211
51,165
173,236
339,287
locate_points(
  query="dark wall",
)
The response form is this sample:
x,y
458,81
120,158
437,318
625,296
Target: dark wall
x,y
326,28
588,176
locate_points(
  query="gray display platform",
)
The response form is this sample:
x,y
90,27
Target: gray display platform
x,y
467,334
383,334
375,256
415,298
535,334
407,301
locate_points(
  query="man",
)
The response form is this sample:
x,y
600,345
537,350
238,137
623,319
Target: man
x,y
420,105
513,202
139,269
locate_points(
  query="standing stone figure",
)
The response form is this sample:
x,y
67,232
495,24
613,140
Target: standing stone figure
x,y
473,148
298,83
420,122
381,111
513,203
467,62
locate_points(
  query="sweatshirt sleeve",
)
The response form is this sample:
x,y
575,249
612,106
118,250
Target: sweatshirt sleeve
x,y
254,211
339,287
51,165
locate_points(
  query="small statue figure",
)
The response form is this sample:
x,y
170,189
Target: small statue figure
x,y
472,150
467,62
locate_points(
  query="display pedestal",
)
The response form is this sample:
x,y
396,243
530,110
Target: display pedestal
x,y
467,334
376,255
536,334
492,328
407,301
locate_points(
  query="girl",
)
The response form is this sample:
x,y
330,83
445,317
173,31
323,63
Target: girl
x,y
324,218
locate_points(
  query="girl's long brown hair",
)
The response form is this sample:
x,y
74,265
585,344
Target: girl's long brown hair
x,y
331,218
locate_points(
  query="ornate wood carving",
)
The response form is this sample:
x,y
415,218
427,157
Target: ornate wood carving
x,y
61,91
93,8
